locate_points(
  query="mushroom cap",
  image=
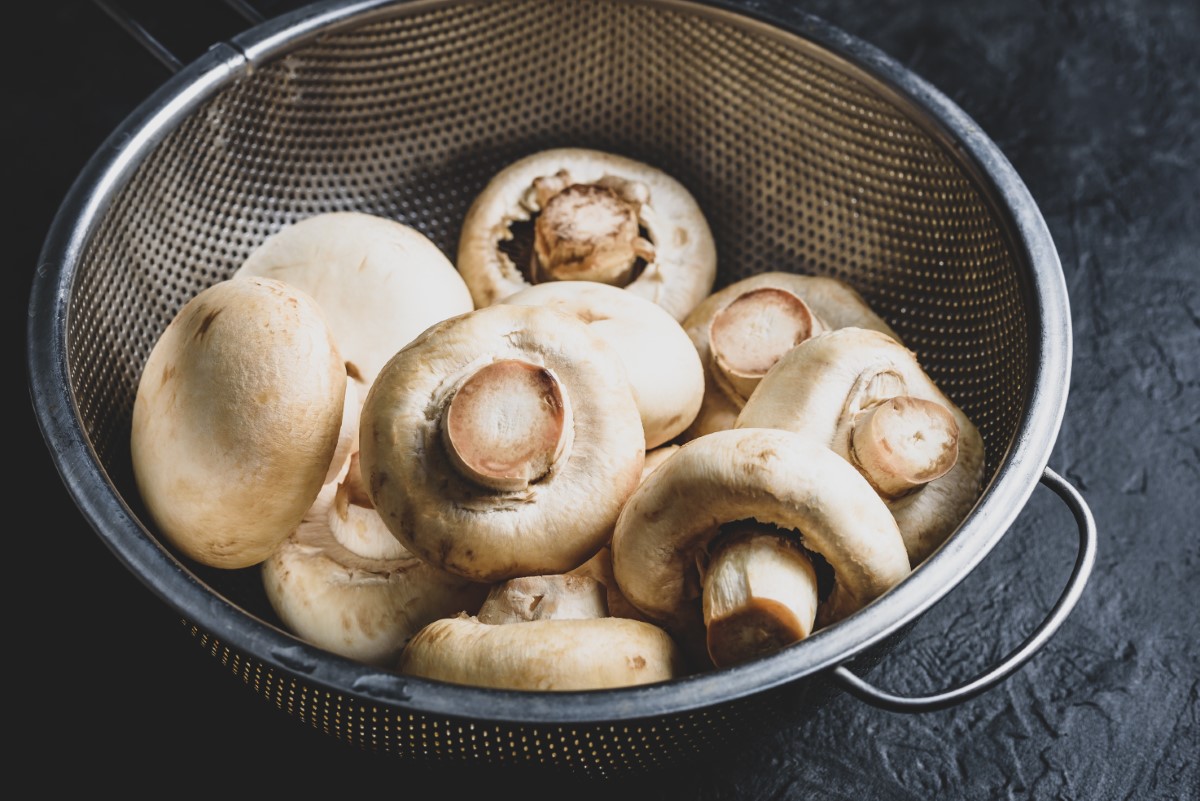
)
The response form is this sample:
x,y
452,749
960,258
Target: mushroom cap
x,y
379,281
557,521
685,265
819,387
550,655
360,607
772,476
834,304
236,419
664,369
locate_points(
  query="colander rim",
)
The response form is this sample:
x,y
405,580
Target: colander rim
x,y
111,517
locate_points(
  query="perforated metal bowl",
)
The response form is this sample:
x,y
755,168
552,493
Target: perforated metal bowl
x,y
809,151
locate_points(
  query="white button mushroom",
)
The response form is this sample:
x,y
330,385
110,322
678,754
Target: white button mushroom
x,y
380,282
549,633
742,330
502,443
863,394
673,560
663,366
588,209
342,582
599,567
236,420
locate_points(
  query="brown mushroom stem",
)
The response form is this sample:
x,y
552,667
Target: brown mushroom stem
x,y
554,597
588,232
356,525
508,424
749,336
904,443
759,593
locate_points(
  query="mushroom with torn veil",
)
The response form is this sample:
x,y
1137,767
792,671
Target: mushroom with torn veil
x,y
714,545
866,396
596,216
502,443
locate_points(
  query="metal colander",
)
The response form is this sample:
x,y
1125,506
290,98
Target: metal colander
x,y
809,152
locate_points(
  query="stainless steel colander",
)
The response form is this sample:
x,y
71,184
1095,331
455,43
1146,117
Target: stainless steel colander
x,y
809,151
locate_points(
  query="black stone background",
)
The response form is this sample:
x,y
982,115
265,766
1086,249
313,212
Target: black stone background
x,y
1097,105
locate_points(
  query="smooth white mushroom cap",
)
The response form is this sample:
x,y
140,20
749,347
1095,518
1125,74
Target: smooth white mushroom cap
x,y
774,477
236,420
833,304
663,366
441,510
821,386
543,633
342,582
379,281
685,264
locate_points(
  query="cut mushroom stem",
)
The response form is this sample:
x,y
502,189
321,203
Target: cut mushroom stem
x,y
759,593
904,443
557,597
508,424
588,232
749,336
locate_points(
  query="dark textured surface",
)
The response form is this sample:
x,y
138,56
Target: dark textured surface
x,y
1096,105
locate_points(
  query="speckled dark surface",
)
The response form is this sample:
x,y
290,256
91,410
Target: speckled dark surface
x,y
1096,103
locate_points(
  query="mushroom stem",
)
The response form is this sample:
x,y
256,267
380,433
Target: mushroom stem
x,y
749,336
553,597
354,522
760,593
508,424
347,443
904,443
589,232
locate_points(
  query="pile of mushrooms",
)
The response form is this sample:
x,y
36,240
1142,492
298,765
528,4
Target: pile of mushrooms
x,y
561,461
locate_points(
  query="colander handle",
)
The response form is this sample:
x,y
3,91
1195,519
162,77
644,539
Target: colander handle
x,y
1084,561
151,43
